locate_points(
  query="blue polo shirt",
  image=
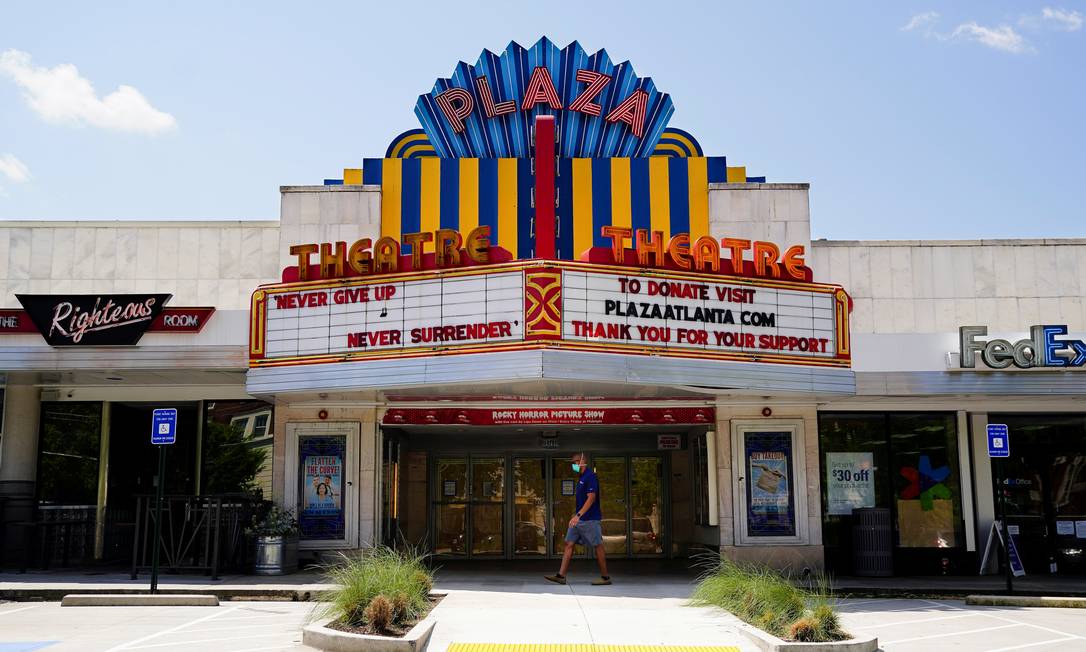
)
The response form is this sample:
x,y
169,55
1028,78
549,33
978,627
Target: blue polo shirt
x,y
589,484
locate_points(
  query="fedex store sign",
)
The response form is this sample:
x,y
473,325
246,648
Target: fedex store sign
x,y
1047,346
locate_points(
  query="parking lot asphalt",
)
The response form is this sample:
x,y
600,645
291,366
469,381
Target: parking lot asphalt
x,y
530,612
929,625
235,626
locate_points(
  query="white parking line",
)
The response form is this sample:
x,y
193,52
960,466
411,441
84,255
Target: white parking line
x,y
13,611
1006,620
912,622
205,640
1025,645
945,634
128,645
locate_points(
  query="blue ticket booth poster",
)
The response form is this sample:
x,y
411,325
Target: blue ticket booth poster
x,y
770,469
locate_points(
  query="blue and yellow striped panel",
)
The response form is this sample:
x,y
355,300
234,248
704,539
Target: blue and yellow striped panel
x,y
668,194
425,194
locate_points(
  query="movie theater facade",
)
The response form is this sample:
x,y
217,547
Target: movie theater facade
x,y
548,267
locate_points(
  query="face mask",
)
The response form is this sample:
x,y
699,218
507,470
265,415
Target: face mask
x,y
576,468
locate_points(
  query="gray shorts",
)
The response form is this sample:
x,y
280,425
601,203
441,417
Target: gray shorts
x,y
585,532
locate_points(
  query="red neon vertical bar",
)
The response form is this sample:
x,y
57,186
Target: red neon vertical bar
x,y
544,187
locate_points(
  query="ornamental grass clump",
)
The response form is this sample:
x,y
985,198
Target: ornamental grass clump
x,y
379,591
770,601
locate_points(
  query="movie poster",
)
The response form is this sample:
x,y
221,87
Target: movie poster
x,y
323,478
320,513
770,499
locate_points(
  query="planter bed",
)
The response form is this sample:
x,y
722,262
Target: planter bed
x,y
328,634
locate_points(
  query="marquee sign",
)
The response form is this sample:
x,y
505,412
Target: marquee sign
x,y
488,110
552,304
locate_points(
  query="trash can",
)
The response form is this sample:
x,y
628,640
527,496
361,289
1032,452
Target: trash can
x,y
872,543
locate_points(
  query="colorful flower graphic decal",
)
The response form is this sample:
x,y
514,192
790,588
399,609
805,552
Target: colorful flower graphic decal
x,y
925,483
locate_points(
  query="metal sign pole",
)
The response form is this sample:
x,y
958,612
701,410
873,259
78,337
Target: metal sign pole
x,y
1002,486
156,543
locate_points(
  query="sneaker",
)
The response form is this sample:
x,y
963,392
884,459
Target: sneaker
x,y
557,579
604,580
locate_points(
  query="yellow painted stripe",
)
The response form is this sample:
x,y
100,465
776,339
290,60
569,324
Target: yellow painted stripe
x,y
659,204
430,204
391,191
507,204
584,647
737,175
582,206
469,194
698,173
621,212
352,176
398,152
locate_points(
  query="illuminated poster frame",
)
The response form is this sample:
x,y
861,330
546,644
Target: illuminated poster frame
x,y
770,510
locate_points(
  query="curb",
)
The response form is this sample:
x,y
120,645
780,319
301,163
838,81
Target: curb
x,y
226,595
141,600
1025,601
769,643
324,638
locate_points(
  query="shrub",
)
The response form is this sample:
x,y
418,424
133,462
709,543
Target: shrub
x,y
379,613
364,583
770,601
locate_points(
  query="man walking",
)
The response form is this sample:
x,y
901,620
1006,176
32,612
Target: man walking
x,y
584,527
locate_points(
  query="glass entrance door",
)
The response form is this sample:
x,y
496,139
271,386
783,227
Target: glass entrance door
x,y
612,474
647,505
469,509
563,493
487,506
473,508
451,507
529,506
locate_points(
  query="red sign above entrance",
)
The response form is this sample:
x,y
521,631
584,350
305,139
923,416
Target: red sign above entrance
x,y
526,416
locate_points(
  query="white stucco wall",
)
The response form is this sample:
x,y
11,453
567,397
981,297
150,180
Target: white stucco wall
x,y
937,286
200,263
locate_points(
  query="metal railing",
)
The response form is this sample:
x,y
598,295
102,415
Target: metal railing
x,y
199,533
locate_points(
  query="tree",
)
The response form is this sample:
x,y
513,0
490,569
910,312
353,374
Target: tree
x,y
230,463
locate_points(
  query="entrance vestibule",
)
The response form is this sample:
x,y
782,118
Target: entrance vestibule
x,y
497,494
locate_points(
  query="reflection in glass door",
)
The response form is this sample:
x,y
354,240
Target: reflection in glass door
x,y
611,472
529,506
646,505
487,506
450,507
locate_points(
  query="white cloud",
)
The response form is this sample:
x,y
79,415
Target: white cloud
x,y
1002,37
1060,20
921,20
61,95
13,169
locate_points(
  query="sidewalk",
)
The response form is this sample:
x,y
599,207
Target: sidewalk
x,y
673,578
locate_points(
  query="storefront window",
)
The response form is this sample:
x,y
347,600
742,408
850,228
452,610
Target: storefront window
x,y
69,443
1045,486
906,463
236,451
924,453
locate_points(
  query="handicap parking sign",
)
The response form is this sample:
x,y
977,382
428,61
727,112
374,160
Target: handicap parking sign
x,y
999,441
164,426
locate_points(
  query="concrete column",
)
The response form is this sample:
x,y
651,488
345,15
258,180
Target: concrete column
x,y
18,465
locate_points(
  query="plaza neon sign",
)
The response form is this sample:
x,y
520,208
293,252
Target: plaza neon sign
x,y
457,104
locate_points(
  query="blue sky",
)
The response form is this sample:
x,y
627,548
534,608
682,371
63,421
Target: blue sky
x,y
910,120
